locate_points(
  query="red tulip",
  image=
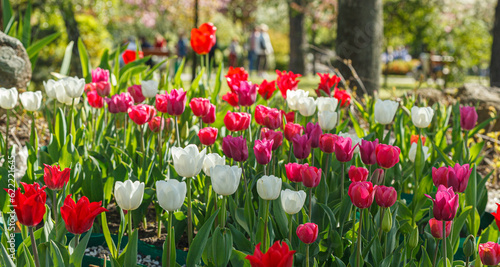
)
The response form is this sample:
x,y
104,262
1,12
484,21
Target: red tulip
x,y
89,87
344,149
235,148
276,256
289,117
497,215
293,129
54,178
175,102
136,92
456,177
468,118
489,253
120,103
268,117
440,176
313,132
327,142
203,38
367,151
307,232
358,174
30,206
80,216
311,176
210,117
235,75
301,146
208,135
266,89
231,98
131,55
387,156
200,106
156,124
103,88
445,204
414,139
286,81
237,121
437,228
385,196
260,112
95,100
141,113
293,172
326,84
276,136
263,151
343,97
100,75
361,194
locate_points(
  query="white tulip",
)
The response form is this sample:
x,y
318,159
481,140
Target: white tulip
x,y
149,88
8,98
73,86
307,106
354,138
188,161
225,179
61,95
327,120
269,187
31,100
292,201
413,152
170,194
129,194
421,117
327,104
385,111
293,96
50,89
212,160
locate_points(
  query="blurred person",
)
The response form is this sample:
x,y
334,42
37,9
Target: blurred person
x,y
160,42
233,52
182,50
252,44
263,49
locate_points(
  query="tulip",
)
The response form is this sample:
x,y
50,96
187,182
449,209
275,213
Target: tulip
x,y
141,113
95,100
311,176
50,88
149,88
31,100
293,172
170,194
437,228
129,194
496,215
293,129
292,201
211,160
293,96
385,111
327,142
200,106
343,97
247,93
286,81
203,38
188,161
456,177
235,148
326,84
176,102
269,187
440,176
136,92
289,117
413,152
313,132
208,135
277,256
301,146
276,136
100,75
210,117
387,156
489,253
74,86
235,75
306,106
156,124
120,103
266,89
361,194
103,88
356,141
62,97
358,174
79,217
131,55
344,149
225,179
30,206
263,151
272,119
468,118
54,178
445,204
237,121
8,98
385,196
307,233
327,120
378,176
231,98
421,117
327,104
367,151
414,139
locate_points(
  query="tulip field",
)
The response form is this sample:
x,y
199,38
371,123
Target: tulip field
x,y
269,174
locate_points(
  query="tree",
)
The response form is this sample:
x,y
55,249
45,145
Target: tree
x,y
359,39
495,48
297,35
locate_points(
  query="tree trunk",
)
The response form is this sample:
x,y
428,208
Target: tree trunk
x,y
194,55
495,51
359,39
297,36
73,33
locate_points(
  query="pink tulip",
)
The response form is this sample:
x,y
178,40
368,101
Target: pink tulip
x,y
210,117
385,196
276,136
445,204
387,156
489,253
247,93
344,149
200,106
437,228
468,118
100,75
237,121
311,176
176,102
293,129
141,113
367,151
361,194
120,103
136,92
307,233
314,131
263,151
456,177
327,142
293,172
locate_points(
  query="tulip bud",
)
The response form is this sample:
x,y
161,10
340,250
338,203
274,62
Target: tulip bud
x,y
387,221
358,174
387,156
136,93
469,245
129,194
301,146
421,117
385,196
327,142
343,96
266,89
327,120
208,135
385,111
210,117
292,201
307,106
361,194
468,118
269,187
378,177
188,161
200,106
225,179
327,104
170,194
31,100
263,151
413,241
103,88
413,152
313,132
100,75
311,176
307,233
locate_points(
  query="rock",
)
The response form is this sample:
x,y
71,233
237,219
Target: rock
x,y
15,65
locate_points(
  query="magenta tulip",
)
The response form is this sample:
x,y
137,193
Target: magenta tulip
x,y
263,151
468,118
235,148
445,204
385,196
361,194
367,151
314,131
301,146
344,149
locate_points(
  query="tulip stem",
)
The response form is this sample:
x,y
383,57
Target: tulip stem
x,y
381,219
466,148
33,246
307,255
160,143
125,131
436,253
54,205
342,182
358,252
129,215
169,240
189,218
265,171
177,132
70,125
326,167
7,136
445,258
290,227
310,204
223,208
266,207
54,117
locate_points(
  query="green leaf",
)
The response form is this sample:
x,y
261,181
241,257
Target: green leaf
x,y
177,78
69,154
359,131
444,157
67,59
33,49
218,82
6,14
84,60
196,82
107,236
76,256
149,74
6,260
238,259
56,255
131,249
26,40
199,242
222,244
